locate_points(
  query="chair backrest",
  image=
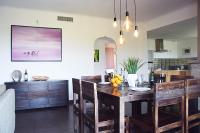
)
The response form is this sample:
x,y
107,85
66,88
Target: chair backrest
x,y
76,86
168,93
76,90
89,91
192,91
181,77
193,87
94,78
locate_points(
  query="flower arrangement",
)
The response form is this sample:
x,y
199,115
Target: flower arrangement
x,y
116,80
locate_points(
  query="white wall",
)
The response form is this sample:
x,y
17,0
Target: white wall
x,y
151,44
99,67
187,43
77,44
171,47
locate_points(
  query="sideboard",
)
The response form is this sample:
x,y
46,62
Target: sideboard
x,y
39,94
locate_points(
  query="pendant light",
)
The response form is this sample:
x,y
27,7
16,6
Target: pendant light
x,y
136,32
121,38
115,18
127,22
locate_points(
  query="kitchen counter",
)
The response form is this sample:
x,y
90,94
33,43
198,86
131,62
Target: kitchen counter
x,y
169,73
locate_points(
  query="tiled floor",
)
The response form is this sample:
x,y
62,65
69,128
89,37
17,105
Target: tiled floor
x,y
50,120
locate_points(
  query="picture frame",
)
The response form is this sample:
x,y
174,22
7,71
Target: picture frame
x,y
36,44
186,51
96,55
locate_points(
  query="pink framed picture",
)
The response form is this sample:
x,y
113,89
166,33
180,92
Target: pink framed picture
x,y
35,43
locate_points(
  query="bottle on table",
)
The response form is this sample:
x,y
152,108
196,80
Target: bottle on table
x,y
26,75
151,78
162,77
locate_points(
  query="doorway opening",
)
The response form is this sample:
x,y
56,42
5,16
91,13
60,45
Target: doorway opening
x,y
106,48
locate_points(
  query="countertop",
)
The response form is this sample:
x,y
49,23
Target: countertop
x,y
169,73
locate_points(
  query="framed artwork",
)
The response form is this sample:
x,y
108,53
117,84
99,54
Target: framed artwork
x,y
36,43
96,55
186,51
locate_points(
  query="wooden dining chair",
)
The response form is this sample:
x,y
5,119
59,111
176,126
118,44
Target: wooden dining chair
x,y
96,121
192,114
92,78
77,106
100,120
165,94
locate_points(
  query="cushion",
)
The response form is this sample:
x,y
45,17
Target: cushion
x,y
2,89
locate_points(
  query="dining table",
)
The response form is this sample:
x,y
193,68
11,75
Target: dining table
x,y
118,97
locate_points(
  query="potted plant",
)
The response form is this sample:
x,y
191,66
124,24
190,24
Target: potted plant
x,y
132,65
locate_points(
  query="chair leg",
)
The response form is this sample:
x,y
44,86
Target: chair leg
x,y
127,127
81,126
186,115
75,124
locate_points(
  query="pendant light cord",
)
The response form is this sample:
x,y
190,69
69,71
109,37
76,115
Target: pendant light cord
x,y
126,6
135,13
114,9
120,14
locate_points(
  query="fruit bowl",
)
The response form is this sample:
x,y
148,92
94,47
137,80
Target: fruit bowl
x,y
40,78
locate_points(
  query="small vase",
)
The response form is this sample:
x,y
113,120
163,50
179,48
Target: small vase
x,y
132,79
116,92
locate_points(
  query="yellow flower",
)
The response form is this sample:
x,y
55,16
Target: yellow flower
x,y
116,80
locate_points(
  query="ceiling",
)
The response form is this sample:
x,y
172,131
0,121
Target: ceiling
x,y
180,30
146,9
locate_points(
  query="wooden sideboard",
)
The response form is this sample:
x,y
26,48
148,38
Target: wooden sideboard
x,y
39,94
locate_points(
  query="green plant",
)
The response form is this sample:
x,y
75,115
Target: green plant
x,y
132,65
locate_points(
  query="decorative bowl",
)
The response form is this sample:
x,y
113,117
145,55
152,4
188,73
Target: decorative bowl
x,y
16,75
40,78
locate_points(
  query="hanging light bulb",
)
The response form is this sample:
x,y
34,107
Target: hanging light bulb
x,y
136,32
115,22
127,23
115,18
121,38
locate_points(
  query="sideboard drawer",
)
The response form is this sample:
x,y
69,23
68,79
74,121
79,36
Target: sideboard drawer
x,y
57,101
57,85
21,96
37,94
39,102
38,86
22,104
19,87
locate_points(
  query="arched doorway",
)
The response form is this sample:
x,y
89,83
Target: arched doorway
x,y
106,48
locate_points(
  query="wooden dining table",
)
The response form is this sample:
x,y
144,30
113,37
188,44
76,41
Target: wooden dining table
x,y
107,96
